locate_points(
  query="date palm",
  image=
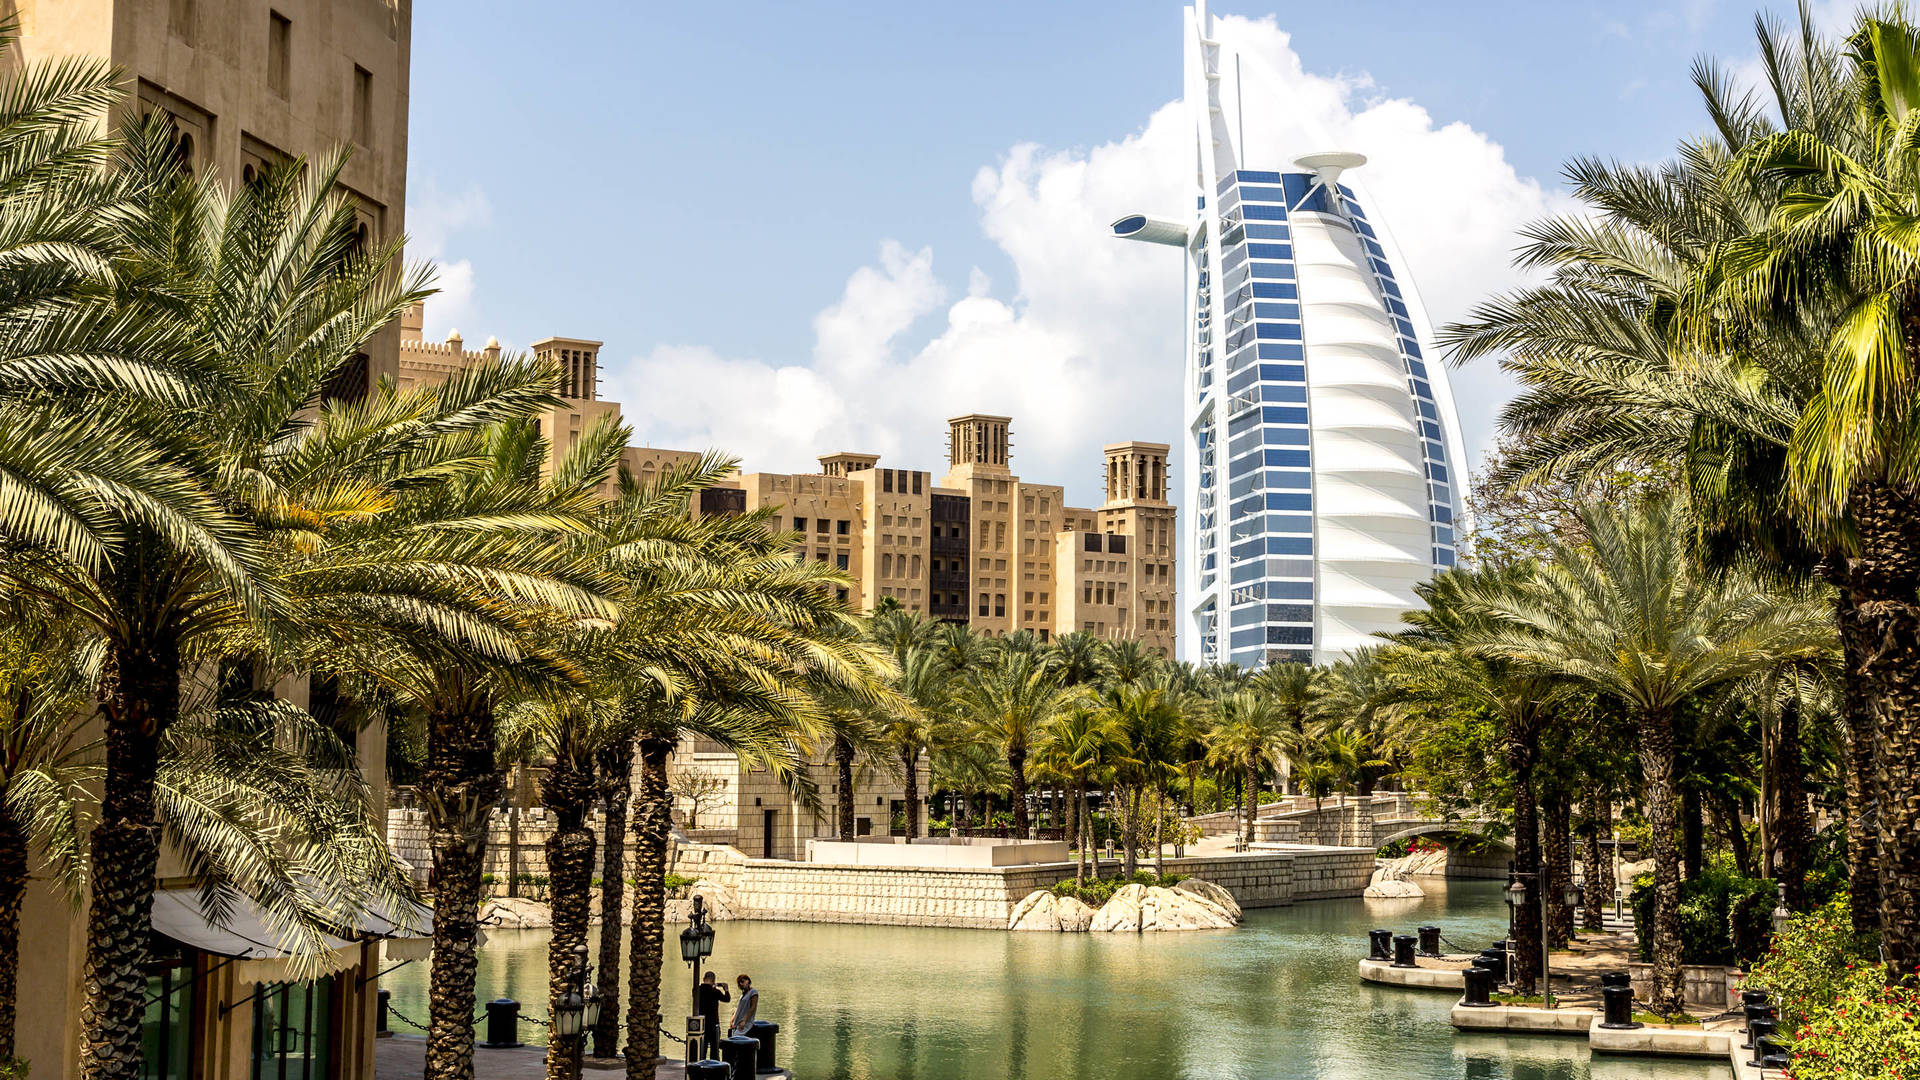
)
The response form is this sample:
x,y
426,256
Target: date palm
x,y
725,636
1629,616
1619,371
1247,736
1009,701
249,305
1440,667
1088,750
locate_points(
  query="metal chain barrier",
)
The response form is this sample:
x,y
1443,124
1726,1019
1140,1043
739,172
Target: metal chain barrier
x,y
404,1018
672,1036
1454,945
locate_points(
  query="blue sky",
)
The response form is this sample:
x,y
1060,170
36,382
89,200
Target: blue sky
x,y
815,206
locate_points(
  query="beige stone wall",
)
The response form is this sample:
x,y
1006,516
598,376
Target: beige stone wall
x,y
984,898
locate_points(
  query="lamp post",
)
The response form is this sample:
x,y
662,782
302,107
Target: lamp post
x,y
577,1012
1781,913
1515,894
696,944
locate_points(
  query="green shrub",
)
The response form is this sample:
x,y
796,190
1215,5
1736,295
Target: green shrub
x,y
1865,1031
677,881
1096,891
1808,962
1724,918
14,1069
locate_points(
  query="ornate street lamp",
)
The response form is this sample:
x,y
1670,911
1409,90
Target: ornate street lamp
x,y
1782,914
578,1010
696,944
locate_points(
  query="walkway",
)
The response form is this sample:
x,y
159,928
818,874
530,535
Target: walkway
x,y
404,1057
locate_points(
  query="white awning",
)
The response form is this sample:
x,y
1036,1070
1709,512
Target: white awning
x,y
260,954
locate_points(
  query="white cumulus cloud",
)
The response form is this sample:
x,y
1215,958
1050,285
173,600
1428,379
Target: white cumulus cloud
x,y
434,218
1083,346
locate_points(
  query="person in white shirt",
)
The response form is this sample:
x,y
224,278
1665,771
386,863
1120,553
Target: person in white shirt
x,y
743,1011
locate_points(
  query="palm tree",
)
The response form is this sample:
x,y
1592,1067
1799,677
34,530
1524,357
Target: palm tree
x,y
1660,339
1292,688
1442,668
260,800
1082,744
910,641
1009,701
722,635
1246,738
1628,616
239,313
1147,730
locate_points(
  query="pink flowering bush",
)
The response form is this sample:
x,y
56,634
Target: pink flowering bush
x,y
1868,1031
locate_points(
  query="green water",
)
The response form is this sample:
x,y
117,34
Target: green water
x,y
1276,999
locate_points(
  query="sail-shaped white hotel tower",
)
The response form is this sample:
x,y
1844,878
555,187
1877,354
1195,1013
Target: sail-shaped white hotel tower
x,y
1322,474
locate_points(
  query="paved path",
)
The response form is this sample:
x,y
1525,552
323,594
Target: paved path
x,y
404,1057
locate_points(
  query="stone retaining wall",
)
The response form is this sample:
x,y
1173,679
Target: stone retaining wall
x,y
984,897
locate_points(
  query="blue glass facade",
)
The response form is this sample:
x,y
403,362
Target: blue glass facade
x,y
1255,450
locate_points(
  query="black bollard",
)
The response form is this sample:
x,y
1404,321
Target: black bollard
x,y
1618,1004
1478,983
709,1070
1771,1055
1753,997
741,1054
1403,950
1379,944
1757,1014
1616,978
1759,1029
1429,941
765,1031
1495,962
380,1028
503,1020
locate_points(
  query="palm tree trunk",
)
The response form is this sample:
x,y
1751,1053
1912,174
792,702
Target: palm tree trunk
x,y
142,699
13,890
910,765
1250,805
652,821
1886,577
1159,827
1657,773
1598,891
568,791
1693,831
1079,831
1130,833
1791,829
460,786
616,780
1072,832
1559,844
1857,753
843,765
1521,750
1017,766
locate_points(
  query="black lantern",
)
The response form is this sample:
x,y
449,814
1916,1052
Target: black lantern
x,y
1571,895
691,940
568,1015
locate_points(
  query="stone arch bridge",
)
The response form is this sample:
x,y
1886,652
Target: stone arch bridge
x,y
1352,821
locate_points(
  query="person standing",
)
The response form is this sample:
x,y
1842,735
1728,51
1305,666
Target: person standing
x,y
711,995
743,1012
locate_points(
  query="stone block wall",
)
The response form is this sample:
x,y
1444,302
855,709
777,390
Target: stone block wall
x,y
985,897
407,836
1323,875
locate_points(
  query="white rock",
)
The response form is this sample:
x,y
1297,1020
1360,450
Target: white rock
x,y
1120,913
1214,894
1035,912
1393,889
516,913
1073,914
1171,909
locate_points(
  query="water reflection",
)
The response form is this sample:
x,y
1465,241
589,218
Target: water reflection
x,y
1276,999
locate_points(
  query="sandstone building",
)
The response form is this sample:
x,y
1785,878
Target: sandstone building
x,y
244,84
976,545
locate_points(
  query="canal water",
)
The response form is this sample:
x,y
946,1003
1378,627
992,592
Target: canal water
x,y
1276,999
